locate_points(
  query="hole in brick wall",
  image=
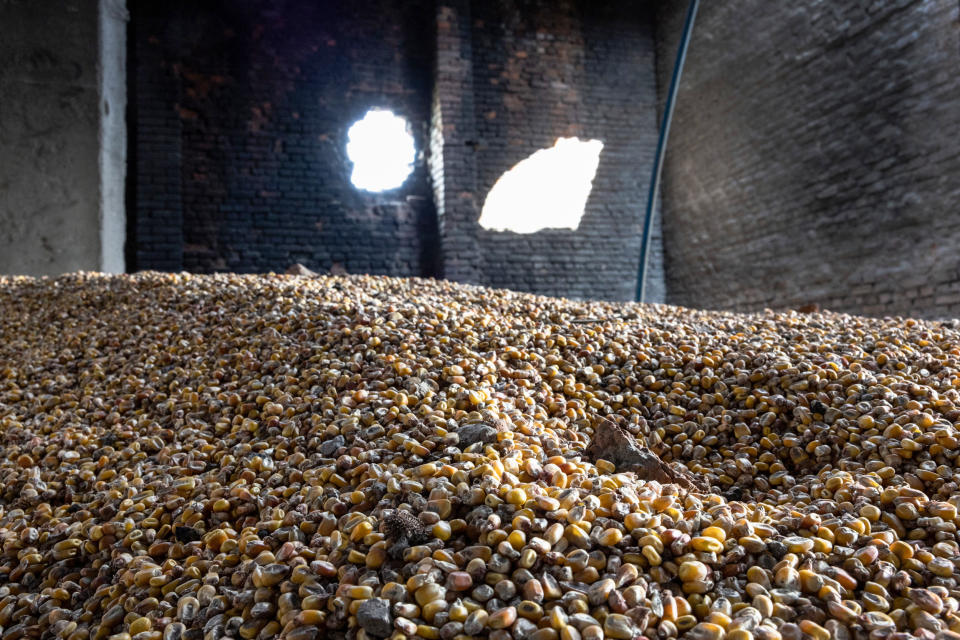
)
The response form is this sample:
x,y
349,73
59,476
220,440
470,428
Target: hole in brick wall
x,y
547,190
382,151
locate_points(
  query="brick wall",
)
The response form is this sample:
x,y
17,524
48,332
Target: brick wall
x,y
512,78
813,156
453,136
154,202
240,135
241,118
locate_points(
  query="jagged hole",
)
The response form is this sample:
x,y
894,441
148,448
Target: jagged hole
x,y
547,190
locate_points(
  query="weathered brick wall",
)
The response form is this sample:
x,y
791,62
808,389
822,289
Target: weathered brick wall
x,y
814,157
242,113
512,78
453,137
241,123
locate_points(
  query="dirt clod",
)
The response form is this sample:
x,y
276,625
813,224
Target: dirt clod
x,y
610,442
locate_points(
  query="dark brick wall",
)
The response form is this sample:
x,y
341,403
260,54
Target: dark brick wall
x,y
242,110
452,139
814,157
154,200
512,78
240,134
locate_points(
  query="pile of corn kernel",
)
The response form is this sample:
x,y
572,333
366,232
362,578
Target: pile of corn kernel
x,y
206,457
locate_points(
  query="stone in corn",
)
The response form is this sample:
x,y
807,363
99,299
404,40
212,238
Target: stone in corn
x,y
253,457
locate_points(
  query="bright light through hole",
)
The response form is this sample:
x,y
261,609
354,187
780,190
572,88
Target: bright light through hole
x,y
547,190
382,151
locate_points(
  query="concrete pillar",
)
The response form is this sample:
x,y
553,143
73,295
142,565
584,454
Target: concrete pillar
x,y
62,136
113,18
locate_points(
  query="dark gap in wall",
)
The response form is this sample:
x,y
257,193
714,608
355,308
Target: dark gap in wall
x,y
427,221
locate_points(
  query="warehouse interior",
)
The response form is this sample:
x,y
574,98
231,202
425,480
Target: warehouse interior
x,y
406,319
808,161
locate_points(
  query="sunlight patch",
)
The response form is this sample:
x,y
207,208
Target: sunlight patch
x,y
547,190
382,151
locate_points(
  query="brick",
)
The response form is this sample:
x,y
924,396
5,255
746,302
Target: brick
x,y
814,156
